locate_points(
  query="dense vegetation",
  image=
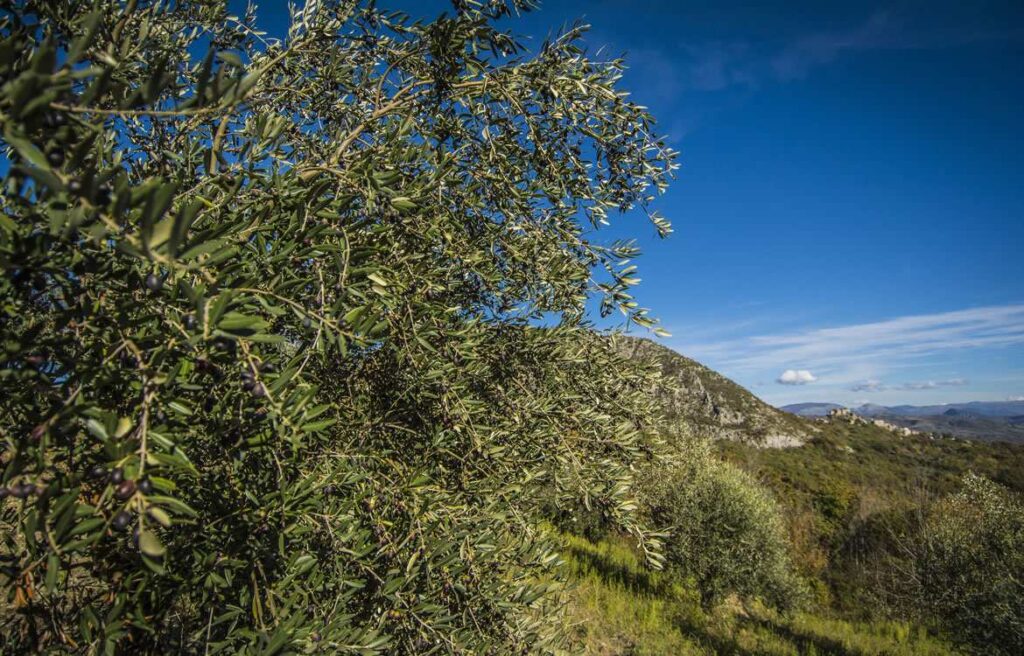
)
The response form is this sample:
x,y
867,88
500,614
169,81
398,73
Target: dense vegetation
x,y
297,358
919,529
619,606
271,376
905,549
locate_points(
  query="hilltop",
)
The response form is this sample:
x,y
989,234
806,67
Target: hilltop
x,y
699,400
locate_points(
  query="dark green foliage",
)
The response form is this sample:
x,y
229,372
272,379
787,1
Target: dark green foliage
x,y
269,381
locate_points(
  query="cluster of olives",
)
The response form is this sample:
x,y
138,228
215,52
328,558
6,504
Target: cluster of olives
x,y
124,489
251,385
20,490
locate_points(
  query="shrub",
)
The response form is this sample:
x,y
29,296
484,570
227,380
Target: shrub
x,y
970,567
724,531
271,376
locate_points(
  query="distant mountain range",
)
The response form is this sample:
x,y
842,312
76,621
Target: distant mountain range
x,y
976,420
811,409
977,408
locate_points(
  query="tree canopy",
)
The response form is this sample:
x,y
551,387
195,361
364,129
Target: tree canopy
x,y
295,330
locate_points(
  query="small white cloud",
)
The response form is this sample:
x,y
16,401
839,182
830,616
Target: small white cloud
x,y
796,377
1016,398
870,385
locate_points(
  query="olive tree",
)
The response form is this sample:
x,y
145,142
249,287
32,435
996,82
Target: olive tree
x,y
295,328
968,570
724,531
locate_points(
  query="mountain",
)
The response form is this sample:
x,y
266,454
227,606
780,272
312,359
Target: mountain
x,y
992,421
810,409
699,400
707,403
978,408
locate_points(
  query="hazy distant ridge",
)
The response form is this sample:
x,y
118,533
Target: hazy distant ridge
x,y
975,420
979,408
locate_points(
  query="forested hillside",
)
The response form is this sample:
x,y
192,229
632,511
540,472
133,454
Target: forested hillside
x,y
856,500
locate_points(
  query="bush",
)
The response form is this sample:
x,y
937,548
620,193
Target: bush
x,y
724,531
970,567
271,379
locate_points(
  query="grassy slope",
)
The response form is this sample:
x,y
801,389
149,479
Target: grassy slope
x,y
619,607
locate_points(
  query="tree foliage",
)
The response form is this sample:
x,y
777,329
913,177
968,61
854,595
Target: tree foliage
x,y
724,531
272,376
969,570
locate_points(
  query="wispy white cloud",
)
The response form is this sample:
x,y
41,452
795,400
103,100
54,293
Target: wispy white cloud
x,y
719,65
870,385
875,385
795,377
846,347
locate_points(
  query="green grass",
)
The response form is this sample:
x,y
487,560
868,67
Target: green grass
x,y
617,606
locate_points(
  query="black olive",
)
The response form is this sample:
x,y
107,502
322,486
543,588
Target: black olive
x,y
99,471
103,195
116,476
307,323
54,119
75,186
154,282
189,321
125,490
329,490
4,493
121,521
145,486
55,157
23,491
259,390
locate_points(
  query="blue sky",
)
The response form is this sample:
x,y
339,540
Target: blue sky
x,y
852,187
848,213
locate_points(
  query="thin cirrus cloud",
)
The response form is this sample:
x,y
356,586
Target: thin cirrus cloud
x,y
874,385
846,349
718,65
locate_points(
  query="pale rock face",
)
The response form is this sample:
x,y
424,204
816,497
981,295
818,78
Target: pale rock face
x,y
700,401
781,442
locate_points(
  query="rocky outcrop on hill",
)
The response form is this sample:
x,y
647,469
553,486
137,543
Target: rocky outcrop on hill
x,y
849,416
701,401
